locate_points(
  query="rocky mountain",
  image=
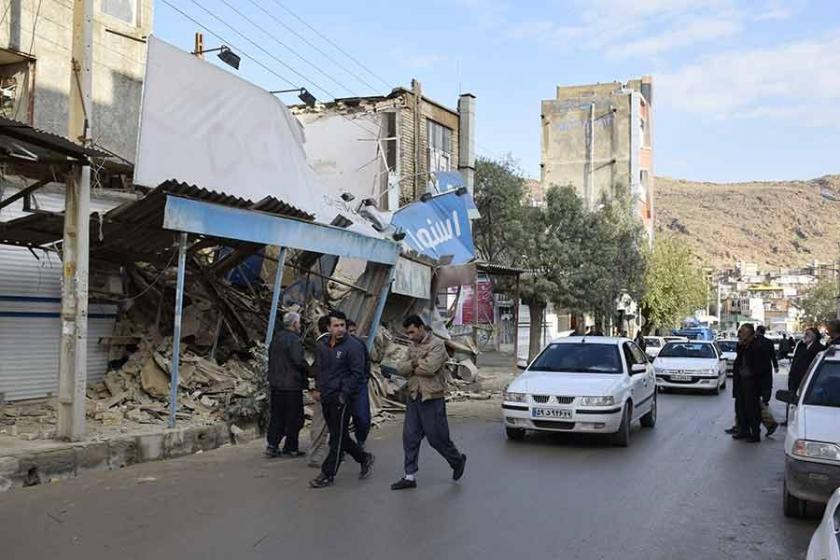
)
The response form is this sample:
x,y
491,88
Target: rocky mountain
x,y
774,224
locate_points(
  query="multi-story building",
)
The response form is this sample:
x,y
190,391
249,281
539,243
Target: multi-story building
x,y
599,138
393,148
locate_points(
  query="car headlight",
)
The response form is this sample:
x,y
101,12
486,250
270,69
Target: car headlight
x,y
712,371
816,450
597,401
516,397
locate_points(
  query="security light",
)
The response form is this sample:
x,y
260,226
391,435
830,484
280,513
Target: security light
x,y
229,57
303,94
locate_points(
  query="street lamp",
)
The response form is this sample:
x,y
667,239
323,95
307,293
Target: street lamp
x,y
303,94
225,55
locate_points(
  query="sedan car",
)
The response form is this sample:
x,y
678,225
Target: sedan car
x,y
812,444
729,350
595,385
694,364
653,344
825,544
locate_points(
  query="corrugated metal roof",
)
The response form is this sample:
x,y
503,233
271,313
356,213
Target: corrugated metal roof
x,y
44,140
499,269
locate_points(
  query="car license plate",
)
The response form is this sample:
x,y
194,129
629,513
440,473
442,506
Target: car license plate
x,y
681,377
558,413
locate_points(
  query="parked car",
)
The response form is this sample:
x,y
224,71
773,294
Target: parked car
x,y
692,364
653,344
728,348
812,444
595,385
825,544
695,333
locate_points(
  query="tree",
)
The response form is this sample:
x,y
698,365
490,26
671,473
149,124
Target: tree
x,y
819,304
674,285
498,196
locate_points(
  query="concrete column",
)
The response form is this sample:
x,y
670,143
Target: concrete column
x,y
466,139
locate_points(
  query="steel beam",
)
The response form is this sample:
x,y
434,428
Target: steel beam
x,y
176,335
275,296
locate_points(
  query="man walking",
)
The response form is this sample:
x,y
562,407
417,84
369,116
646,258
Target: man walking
x,y
318,433
360,401
752,383
341,370
803,355
287,379
425,415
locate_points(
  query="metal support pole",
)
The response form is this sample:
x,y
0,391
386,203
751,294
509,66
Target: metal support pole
x,y
475,309
516,325
275,296
380,307
176,335
72,362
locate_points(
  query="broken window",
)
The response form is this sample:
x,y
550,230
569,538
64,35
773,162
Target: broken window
x,y
123,10
440,146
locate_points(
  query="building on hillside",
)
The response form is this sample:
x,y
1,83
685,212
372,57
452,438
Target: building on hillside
x,y
534,193
393,148
598,138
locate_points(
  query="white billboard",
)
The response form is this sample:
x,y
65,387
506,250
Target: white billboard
x,y
202,125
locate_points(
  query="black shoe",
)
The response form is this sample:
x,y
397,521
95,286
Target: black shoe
x,y
272,452
753,439
403,484
732,430
293,454
367,466
740,435
772,430
458,471
321,481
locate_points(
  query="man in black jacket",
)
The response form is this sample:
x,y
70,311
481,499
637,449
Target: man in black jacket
x,y
805,353
752,382
341,372
287,370
360,402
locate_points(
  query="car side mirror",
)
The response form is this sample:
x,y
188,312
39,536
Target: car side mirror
x,y
788,397
638,368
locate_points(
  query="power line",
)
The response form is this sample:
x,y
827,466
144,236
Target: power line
x,y
256,61
328,40
313,46
228,43
287,47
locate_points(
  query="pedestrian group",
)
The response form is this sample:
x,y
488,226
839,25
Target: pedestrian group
x,y
341,372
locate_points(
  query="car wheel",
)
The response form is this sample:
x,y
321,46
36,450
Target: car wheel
x,y
622,437
516,434
793,506
649,419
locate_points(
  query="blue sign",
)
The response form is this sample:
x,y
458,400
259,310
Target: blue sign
x,y
438,228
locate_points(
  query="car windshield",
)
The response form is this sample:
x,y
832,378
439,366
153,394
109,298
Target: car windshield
x,y
687,350
579,358
653,342
728,345
824,389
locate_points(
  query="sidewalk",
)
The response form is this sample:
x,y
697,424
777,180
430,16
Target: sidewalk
x,y
29,463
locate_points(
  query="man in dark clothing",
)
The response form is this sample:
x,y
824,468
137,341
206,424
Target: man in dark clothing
x,y
341,371
766,414
752,382
805,353
360,402
640,340
287,379
760,333
833,332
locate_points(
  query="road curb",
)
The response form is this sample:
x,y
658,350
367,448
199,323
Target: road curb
x,y
31,468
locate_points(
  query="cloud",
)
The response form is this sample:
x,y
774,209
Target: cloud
x,y
418,60
693,32
796,80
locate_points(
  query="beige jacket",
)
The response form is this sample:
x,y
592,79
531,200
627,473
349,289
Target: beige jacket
x,y
428,379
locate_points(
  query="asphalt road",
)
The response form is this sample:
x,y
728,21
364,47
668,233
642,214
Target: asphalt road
x,y
682,490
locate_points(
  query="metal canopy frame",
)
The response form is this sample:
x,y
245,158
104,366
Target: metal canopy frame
x,y
191,216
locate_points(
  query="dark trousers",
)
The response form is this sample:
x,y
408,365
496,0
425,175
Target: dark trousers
x,y
286,418
427,419
360,411
337,416
748,407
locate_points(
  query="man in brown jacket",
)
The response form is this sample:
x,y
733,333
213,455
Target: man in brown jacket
x,y
425,415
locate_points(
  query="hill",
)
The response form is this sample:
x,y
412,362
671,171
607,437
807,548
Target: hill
x,y
774,224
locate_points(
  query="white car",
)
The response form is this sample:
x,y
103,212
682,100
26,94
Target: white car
x,y
728,348
692,364
825,544
653,344
596,385
812,444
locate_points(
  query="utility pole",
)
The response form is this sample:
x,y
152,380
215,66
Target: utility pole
x,y
72,381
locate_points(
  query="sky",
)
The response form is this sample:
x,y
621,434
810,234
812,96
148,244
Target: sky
x,y
743,89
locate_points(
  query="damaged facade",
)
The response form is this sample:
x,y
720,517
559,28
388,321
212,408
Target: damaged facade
x,y
390,147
